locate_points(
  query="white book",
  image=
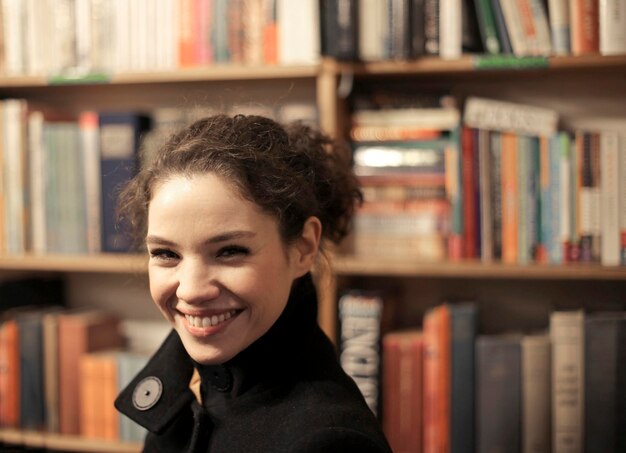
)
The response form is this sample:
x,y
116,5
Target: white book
x,y
37,166
36,18
450,29
166,41
13,29
560,26
122,36
622,197
373,17
514,27
609,198
298,32
428,118
90,144
83,35
542,40
103,36
612,17
16,190
506,116
566,194
567,336
536,393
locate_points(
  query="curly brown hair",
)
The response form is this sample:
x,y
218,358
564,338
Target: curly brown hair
x,y
291,171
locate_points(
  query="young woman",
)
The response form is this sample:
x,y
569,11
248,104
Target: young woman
x,y
234,212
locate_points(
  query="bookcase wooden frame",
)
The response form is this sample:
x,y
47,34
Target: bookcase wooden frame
x,y
333,118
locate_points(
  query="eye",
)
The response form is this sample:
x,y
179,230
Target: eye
x,y
163,254
231,251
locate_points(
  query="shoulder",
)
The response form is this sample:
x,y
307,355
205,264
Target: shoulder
x,y
339,439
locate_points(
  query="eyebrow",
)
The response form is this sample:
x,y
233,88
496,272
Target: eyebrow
x,y
222,237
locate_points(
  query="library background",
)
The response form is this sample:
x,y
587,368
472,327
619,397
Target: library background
x,y
480,300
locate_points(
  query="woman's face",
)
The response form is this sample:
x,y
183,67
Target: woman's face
x,y
219,270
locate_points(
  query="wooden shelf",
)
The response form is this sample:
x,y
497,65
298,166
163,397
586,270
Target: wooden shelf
x,y
232,72
353,266
195,74
341,264
60,442
103,263
467,65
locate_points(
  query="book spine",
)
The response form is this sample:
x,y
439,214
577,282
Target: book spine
x,y
462,372
360,317
485,203
609,198
510,198
567,335
32,402
498,394
450,27
601,355
454,189
400,39
536,360
431,27
487,26
403,356
89,134
554,214
9,374
585,26
436,379
504,116
622,198
560,26
514,27
119,142
417,14
542,29
575,181
496,193
469,149
612,23
503,33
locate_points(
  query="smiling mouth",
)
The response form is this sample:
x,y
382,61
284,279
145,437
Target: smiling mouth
x,y
210,321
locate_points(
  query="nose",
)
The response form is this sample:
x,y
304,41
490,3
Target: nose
x,y
196,283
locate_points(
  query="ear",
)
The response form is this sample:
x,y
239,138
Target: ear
x,y
306,247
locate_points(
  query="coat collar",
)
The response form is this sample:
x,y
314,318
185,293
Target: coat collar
x,y
263,363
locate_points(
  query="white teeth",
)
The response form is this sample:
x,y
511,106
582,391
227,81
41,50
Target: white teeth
x,y
198,321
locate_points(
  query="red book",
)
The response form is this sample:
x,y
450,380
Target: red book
x,y
437,380
187,33
510,198
403,362
585,26
80,333
9,374
469,147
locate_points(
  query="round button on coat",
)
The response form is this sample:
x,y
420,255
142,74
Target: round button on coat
x,y
147,393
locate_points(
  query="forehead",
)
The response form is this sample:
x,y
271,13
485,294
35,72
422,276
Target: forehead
x,y
200,203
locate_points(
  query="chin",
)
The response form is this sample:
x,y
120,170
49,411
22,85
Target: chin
x,y
206,354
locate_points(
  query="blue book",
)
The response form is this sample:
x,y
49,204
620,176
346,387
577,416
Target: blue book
x,y
503,34
462,337
129,364
498,393
120,135
32,400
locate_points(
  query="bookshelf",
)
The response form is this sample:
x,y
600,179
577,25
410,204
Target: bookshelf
x,y
320,82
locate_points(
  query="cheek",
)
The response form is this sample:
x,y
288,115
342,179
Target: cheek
x,y
160,289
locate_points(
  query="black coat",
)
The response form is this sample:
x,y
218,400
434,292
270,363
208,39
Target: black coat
x,y
285,393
